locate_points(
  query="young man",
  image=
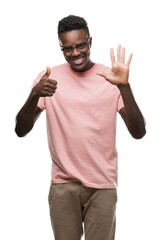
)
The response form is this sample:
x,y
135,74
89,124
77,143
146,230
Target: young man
x,y
81,100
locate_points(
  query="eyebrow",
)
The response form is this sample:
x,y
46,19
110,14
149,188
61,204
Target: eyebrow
x,y
74,45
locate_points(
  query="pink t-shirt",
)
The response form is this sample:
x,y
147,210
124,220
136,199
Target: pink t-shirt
x,y
81,126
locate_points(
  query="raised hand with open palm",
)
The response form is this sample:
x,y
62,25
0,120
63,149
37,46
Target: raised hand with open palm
x,y
120,70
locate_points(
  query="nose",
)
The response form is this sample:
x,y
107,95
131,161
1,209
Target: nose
x,y
75,52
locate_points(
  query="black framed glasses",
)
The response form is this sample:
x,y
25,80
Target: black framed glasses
x,y
79,47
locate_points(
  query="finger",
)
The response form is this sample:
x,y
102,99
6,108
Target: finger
x,y
118,53
123,55
48,71
129,60
112,55
107,77
50,86
48,94
49,90
52,81
102,74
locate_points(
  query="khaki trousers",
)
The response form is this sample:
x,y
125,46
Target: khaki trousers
x,y
71,204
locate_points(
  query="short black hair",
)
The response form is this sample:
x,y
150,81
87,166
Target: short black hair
x,y
72,23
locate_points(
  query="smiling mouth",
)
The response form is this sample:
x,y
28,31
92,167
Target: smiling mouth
x,y
78,61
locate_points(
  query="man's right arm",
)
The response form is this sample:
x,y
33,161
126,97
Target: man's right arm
x,y
28,114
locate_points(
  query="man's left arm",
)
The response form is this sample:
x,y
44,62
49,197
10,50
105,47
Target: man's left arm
x,y
118,76
131,113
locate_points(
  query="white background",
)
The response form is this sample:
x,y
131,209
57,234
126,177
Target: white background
x,y
29,43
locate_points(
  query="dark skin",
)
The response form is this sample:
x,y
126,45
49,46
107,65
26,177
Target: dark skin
x,y
80,61
73,38
30,112
119,76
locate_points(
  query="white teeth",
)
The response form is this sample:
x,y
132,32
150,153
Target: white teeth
x,y
78,61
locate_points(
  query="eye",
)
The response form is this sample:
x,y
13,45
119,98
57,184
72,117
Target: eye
x,y
81,45
67,49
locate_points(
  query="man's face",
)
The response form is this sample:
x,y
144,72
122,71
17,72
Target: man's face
x,y
78,58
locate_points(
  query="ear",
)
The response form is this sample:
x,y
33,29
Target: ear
x,y
90,42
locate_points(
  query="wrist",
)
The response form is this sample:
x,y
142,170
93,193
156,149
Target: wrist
x,y
34,93
123,87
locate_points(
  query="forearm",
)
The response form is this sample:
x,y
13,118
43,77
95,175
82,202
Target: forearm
x,y
133,117
26,117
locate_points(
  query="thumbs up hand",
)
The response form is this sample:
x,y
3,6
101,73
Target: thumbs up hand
x,y
46,87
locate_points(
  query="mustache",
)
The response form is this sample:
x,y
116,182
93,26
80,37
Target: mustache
x,y
76,58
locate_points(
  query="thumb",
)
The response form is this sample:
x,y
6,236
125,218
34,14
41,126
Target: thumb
x,y
48,71
102,74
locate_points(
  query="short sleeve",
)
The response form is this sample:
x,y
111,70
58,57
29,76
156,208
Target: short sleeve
x,y
120,103
41,102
